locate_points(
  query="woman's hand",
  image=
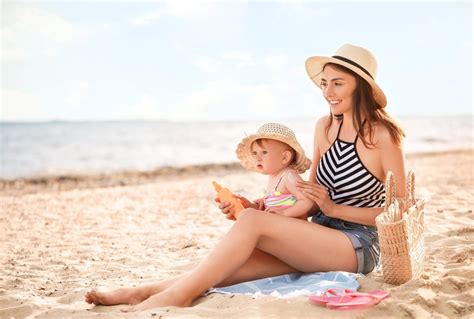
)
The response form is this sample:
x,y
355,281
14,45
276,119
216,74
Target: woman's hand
x,y
318,194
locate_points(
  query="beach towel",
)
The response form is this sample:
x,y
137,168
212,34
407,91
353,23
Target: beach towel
x,y
295,284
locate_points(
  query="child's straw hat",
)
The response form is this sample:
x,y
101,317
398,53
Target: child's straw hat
x,y
358,59
274,131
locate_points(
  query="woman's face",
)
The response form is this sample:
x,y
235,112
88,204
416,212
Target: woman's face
x,y
338,88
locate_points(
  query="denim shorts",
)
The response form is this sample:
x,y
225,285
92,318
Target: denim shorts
x,y
364,239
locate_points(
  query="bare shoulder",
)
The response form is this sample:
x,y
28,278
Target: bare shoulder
x,y
290,179
322,122
321,125
292,176
392,156
382,138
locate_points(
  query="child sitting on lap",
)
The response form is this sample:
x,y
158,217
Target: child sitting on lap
x,y
274,151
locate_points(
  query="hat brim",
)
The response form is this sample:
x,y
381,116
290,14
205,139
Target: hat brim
x,y
244,152
314,67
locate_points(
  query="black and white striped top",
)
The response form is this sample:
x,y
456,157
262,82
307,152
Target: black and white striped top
x,y
349,182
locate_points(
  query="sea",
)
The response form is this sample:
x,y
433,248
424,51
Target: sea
x,y
59,148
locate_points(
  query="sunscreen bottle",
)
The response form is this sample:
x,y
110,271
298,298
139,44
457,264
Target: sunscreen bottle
x,y
225,195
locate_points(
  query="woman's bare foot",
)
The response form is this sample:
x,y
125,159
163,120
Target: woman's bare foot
x,y
131,296
162,299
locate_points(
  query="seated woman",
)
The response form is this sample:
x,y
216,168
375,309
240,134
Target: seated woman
x,y
354,148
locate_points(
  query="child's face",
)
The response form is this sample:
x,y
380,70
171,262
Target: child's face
x,y
270,156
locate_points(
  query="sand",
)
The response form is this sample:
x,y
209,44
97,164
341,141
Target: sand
x,y
63,236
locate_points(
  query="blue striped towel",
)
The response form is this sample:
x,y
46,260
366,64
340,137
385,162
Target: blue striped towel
x,y
295,284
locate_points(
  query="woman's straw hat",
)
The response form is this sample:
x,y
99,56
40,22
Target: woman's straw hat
x,y
274,131
358,59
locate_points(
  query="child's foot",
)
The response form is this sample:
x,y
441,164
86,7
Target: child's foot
x,y
131,296
163,299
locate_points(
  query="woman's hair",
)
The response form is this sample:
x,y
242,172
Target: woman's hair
x,y
260,141
365,107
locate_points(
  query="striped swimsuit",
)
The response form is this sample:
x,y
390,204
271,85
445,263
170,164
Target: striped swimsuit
x,y
347,179
350,183
276,200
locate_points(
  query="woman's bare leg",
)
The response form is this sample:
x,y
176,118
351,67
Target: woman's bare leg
x,y
128,295
256,267
299,244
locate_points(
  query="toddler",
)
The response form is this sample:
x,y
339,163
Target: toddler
x,y
274,151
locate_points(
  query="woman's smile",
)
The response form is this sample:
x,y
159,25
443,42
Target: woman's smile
x,y
338,88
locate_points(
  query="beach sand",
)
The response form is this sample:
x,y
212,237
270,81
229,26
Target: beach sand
x,y
61,237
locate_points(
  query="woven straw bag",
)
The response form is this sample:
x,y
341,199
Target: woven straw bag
x,y
401,233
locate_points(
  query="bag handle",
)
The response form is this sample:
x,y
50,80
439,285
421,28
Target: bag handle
x,y
411,188
390,191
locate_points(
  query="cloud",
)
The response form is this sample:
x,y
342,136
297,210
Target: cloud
x,y
239,59
268,86
226,61
274,67
28,31
195,24
77,92
305,8
277,62
146,109
208,64
218,99
189,10
18,105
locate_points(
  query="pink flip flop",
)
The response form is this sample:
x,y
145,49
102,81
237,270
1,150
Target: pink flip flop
x,y
348,299
360,300
330,295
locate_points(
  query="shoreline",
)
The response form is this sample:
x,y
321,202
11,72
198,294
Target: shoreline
x,y
64,182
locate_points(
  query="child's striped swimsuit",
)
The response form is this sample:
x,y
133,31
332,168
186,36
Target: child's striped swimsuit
x,y
276,200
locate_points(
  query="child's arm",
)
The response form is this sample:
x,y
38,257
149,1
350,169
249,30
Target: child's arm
x,y
256,204
303,205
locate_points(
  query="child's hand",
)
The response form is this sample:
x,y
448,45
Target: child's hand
x,y
247,203
260,203
276,212
226,208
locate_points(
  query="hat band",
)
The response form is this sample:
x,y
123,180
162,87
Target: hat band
x,y
352,63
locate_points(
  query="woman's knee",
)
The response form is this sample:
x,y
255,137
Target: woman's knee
x,y
250,216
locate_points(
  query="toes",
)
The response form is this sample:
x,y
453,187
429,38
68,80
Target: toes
x,y
127,309
88,297
95,297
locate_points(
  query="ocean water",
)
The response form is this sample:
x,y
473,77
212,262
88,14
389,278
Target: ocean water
x,y
58,148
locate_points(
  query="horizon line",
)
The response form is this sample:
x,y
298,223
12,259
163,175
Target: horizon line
x,y
45,121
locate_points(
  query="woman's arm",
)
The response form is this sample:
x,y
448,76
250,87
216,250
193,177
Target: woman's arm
x,y
393,159
318,137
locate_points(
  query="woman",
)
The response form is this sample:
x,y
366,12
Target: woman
x,y
354,147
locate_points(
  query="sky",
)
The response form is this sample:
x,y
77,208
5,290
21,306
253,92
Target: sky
x,y
224,60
